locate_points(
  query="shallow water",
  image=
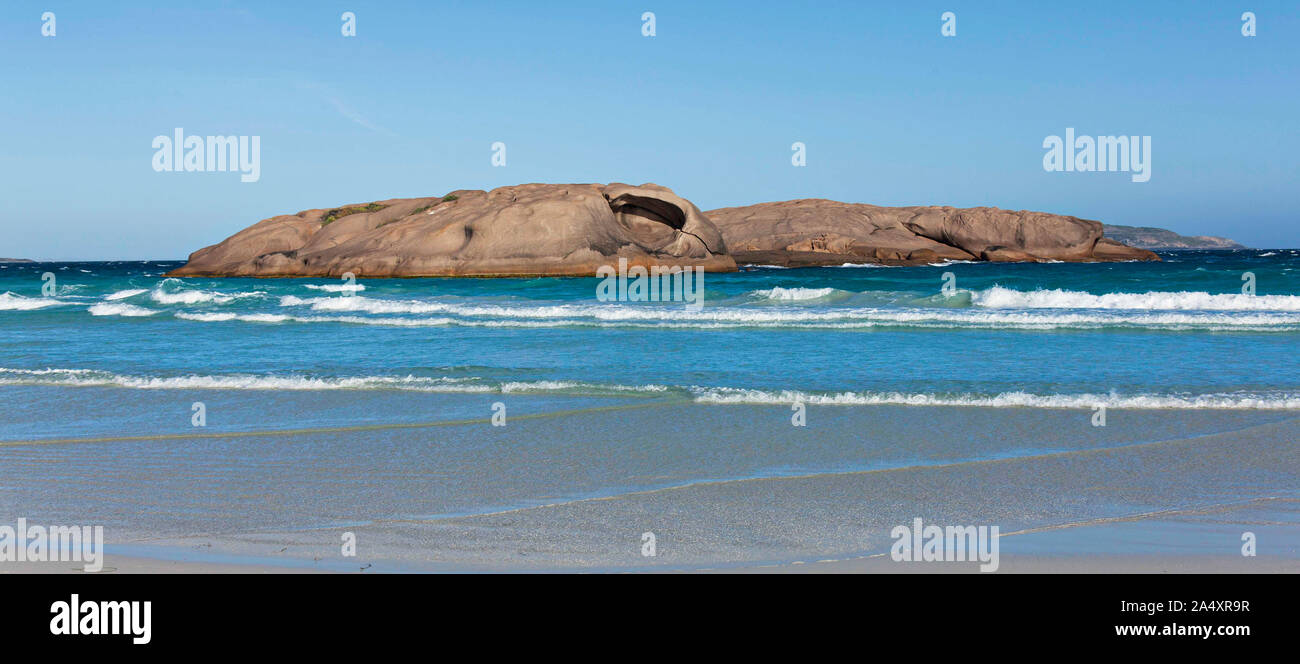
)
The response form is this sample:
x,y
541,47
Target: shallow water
x,y
370,410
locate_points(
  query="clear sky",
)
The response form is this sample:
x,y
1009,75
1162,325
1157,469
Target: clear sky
x,y
891,111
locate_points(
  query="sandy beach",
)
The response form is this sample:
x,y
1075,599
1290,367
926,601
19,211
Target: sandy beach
x,y
1160,492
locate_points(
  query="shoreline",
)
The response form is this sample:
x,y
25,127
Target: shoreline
x,y
1153,492
1196,541
1119,564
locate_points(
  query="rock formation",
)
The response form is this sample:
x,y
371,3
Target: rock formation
x,y
811,232
574,229
524,230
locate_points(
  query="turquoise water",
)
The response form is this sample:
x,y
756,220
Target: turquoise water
x,y
1177,334
329,411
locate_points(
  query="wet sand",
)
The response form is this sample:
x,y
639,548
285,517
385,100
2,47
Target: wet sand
x,y
733,488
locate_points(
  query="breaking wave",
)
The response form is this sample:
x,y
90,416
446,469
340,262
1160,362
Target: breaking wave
x,y
119,309
11,301
124,294
670,316
336,288
170,292
998,297
725,395
92,378
697,394
796,294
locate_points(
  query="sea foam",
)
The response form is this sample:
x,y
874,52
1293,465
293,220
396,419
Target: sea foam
x,y
503,315
10,301
1006,298
709,395
171,292
119,309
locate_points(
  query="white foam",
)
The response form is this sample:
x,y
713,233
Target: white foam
x,y
669,315
337,288
281,318
724,395
168,292
794,294
469,385
47,372
124,294
365,304
188,297
998,297
10,301
703,395
119,309
223,317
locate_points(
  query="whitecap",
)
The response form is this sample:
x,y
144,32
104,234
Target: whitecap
x,y
998,297
337,288
713,395
10,301
119,309
124,294
794,294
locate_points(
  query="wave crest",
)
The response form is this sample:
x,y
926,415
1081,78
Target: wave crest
x,y
11,301
698,394
119,309
999,297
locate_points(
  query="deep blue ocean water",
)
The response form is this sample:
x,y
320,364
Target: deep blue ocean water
x,y
1178,334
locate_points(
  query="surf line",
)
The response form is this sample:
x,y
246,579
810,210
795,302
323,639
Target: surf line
x,y
342,429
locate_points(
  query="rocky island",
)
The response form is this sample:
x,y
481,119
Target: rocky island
x,y
574,229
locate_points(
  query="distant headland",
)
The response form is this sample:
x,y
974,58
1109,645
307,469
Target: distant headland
x,y
1146,237
574,229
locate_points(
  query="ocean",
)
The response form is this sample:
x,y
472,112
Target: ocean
x,y
259,418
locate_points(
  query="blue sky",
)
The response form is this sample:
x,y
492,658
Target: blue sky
x,y
891,112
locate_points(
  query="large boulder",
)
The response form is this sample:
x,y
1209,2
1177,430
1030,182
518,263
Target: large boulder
x,y
524,230
810,232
